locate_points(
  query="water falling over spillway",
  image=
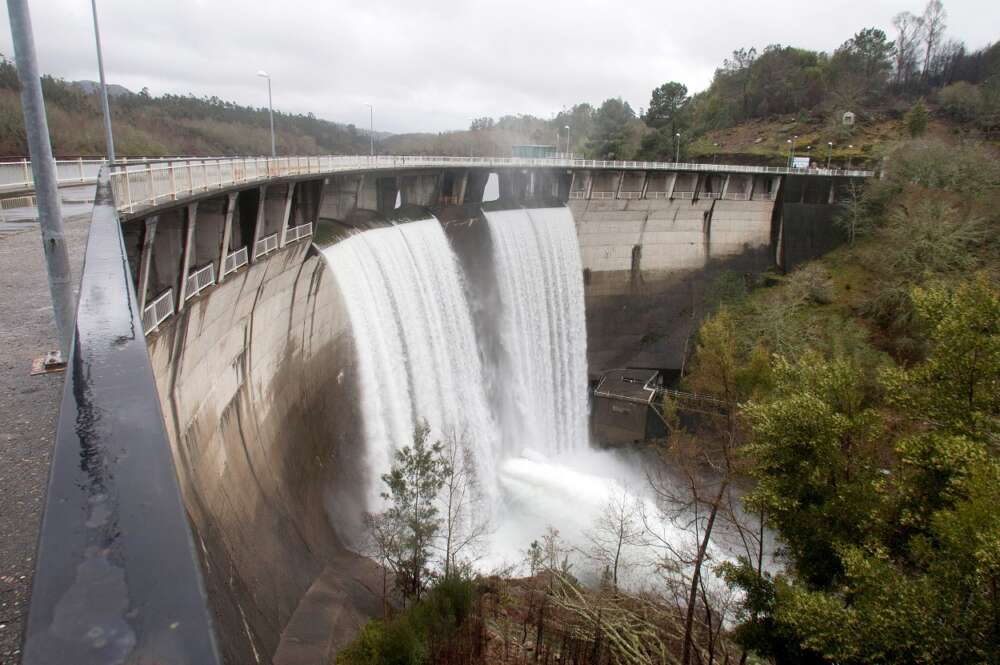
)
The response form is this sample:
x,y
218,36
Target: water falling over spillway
x,y
542,329
417,353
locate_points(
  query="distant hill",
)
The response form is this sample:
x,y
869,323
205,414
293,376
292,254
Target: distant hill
x,y
91,87
147,125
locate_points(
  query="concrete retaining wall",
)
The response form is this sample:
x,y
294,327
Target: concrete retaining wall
x,y
256,382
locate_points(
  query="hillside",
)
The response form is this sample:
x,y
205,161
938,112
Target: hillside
x,y
147,125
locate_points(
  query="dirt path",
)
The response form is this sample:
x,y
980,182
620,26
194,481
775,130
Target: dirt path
x,y
28,408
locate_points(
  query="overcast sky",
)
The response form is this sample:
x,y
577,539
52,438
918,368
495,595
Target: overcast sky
x,y
429,65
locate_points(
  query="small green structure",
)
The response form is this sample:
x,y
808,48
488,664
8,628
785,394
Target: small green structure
x,y
534,151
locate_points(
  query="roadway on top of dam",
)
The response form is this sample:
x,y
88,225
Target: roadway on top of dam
x,y
148,183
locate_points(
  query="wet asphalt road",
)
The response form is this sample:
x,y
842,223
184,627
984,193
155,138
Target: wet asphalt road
x,y
28,408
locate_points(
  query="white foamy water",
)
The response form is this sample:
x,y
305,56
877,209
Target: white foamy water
x,y
419,359
543,368
417,352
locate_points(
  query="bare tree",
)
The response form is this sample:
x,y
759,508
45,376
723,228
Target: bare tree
x,y
619,526
466,517
934,25
383,537
908,34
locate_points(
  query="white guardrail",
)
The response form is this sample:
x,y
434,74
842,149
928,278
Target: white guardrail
x,y
298,232
235,261
143,183
15,176
265,246
198,280
157,311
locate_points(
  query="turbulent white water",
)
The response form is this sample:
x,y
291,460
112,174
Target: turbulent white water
x,y
417,352
419,359
542,330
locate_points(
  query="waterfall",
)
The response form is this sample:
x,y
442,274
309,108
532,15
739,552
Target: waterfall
x,y
416,349
542,330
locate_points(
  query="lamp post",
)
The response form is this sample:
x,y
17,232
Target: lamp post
x,y
829,153
791,149
677,148
715,153
849,148
108,137
43,171
568,153
270,108
371,127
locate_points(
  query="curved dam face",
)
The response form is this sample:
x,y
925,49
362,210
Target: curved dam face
x,y
297,330
257,384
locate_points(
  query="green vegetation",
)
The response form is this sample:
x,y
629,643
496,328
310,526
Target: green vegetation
x,y
167,125
869,397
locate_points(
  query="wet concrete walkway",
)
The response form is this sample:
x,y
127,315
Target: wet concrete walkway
x,y
28,408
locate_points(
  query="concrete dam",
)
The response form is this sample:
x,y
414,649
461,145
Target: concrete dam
x,y
256,337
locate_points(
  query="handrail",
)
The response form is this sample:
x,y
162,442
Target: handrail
x,y
157,311
235,261
200,279
148,183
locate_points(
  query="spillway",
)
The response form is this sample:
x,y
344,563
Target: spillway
x,y
419,358
417,354
542,329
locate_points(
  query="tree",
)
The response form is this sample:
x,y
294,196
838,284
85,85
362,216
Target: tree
x,y
866,57
933,22
612,130
466,517
418,473
619,526
908,35
480,124
916,119
666,106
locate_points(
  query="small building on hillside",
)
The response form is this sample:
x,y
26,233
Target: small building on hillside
x,y
848,118
623,411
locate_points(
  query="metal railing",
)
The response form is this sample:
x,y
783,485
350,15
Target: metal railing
x,y
234,261
15,176
736,196
630,195
602,195
764,196
158,311
198,280
709,195
577,195
297,232
683,195
656,195
265,246
139,185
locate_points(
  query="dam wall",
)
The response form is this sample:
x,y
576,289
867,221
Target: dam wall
x,y
647,265
209,438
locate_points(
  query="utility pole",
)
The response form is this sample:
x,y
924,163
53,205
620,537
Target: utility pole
x,y
270,108
43,169
108,137
371,127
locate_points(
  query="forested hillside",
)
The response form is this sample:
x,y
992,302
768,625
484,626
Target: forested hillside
x,y
145,125
908,82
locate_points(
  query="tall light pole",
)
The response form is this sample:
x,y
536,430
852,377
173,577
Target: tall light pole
x,y
677,148
108,137
849,148
829,153
270,108
371,126
569,149
43,169
791,149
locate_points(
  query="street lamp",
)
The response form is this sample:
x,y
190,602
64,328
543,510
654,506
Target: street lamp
x,y
270,108
371,126
677,148
108,138
791,149
829,153
568,155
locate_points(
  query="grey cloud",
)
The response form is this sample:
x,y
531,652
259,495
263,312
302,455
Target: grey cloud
x,y
432,66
